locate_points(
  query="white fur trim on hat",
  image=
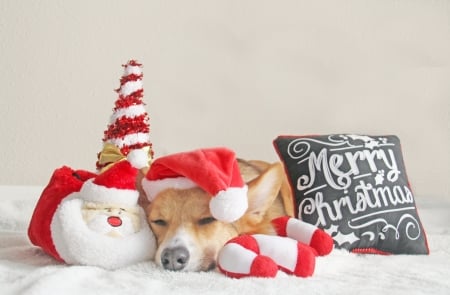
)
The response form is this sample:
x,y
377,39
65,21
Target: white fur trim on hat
x,y
230,204
154,187
98,193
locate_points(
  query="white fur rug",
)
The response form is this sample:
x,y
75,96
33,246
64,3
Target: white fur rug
x,y
25,269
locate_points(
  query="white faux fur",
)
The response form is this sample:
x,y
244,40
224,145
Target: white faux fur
x,y
227,205
129,112
98,193
77,244
25,269
130,139
230,204
130,87
138,158
132,70
153,187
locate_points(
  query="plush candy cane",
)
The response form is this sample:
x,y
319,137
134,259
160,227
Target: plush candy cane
x,y
292,251
304,232
262,256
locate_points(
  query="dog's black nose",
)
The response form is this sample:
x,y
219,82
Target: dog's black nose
x,y
174,258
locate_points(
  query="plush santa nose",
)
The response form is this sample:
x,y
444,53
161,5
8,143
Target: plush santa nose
x,y
114,221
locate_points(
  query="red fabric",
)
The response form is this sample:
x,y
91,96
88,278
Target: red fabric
x,y
121,176
131,77
246,241
262,266
134,98
133,62
321,242
213,169
124,126
280,225
63,182
306,262
370,251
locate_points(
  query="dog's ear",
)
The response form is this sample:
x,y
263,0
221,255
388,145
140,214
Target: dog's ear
x,y
142,200
262,192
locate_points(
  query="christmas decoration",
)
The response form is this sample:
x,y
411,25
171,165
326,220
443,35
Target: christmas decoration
x,y
215,170
89,219
127,134
293,251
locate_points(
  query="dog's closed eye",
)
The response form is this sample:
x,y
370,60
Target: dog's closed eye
x,y
206,220
159,222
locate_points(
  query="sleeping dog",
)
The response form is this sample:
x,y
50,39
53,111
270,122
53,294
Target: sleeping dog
x,y
189,237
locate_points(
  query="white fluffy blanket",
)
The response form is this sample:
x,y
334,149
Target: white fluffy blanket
x,y
25,269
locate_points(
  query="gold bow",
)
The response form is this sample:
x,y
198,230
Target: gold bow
x,y
111,154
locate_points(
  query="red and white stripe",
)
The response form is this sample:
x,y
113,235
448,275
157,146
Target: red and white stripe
x,y
305,233
128,127
262,256
130,87
132,111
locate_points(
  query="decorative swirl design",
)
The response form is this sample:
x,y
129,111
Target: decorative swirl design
x,y
308,208
344,182
299,148
303,181
411,229
411,226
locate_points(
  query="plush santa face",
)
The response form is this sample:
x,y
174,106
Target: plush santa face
x,y
101,234
111,219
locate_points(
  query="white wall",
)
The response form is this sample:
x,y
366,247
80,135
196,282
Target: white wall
x,y
234,73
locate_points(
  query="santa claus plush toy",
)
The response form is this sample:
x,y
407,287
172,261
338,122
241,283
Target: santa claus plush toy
x,y
82,218
89,219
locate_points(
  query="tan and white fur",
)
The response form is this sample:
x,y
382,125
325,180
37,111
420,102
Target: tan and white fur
x,y
189,238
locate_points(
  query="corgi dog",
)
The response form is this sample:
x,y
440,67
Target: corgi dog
x,y
189,238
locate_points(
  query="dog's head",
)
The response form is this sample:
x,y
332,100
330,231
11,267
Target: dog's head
x,y
189,238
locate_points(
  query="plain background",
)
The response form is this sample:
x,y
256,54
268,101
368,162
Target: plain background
x,y
232,73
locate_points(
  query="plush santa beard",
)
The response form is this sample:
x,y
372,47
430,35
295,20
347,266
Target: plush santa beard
x,y
77,243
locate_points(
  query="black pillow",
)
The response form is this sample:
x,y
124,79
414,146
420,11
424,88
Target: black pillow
x,y
355,187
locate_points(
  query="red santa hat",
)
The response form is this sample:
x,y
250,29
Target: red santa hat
x,y
116,185
215,170
129,127
63,182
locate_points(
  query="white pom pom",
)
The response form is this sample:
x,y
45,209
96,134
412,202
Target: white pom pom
x,y
138,158
230,204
